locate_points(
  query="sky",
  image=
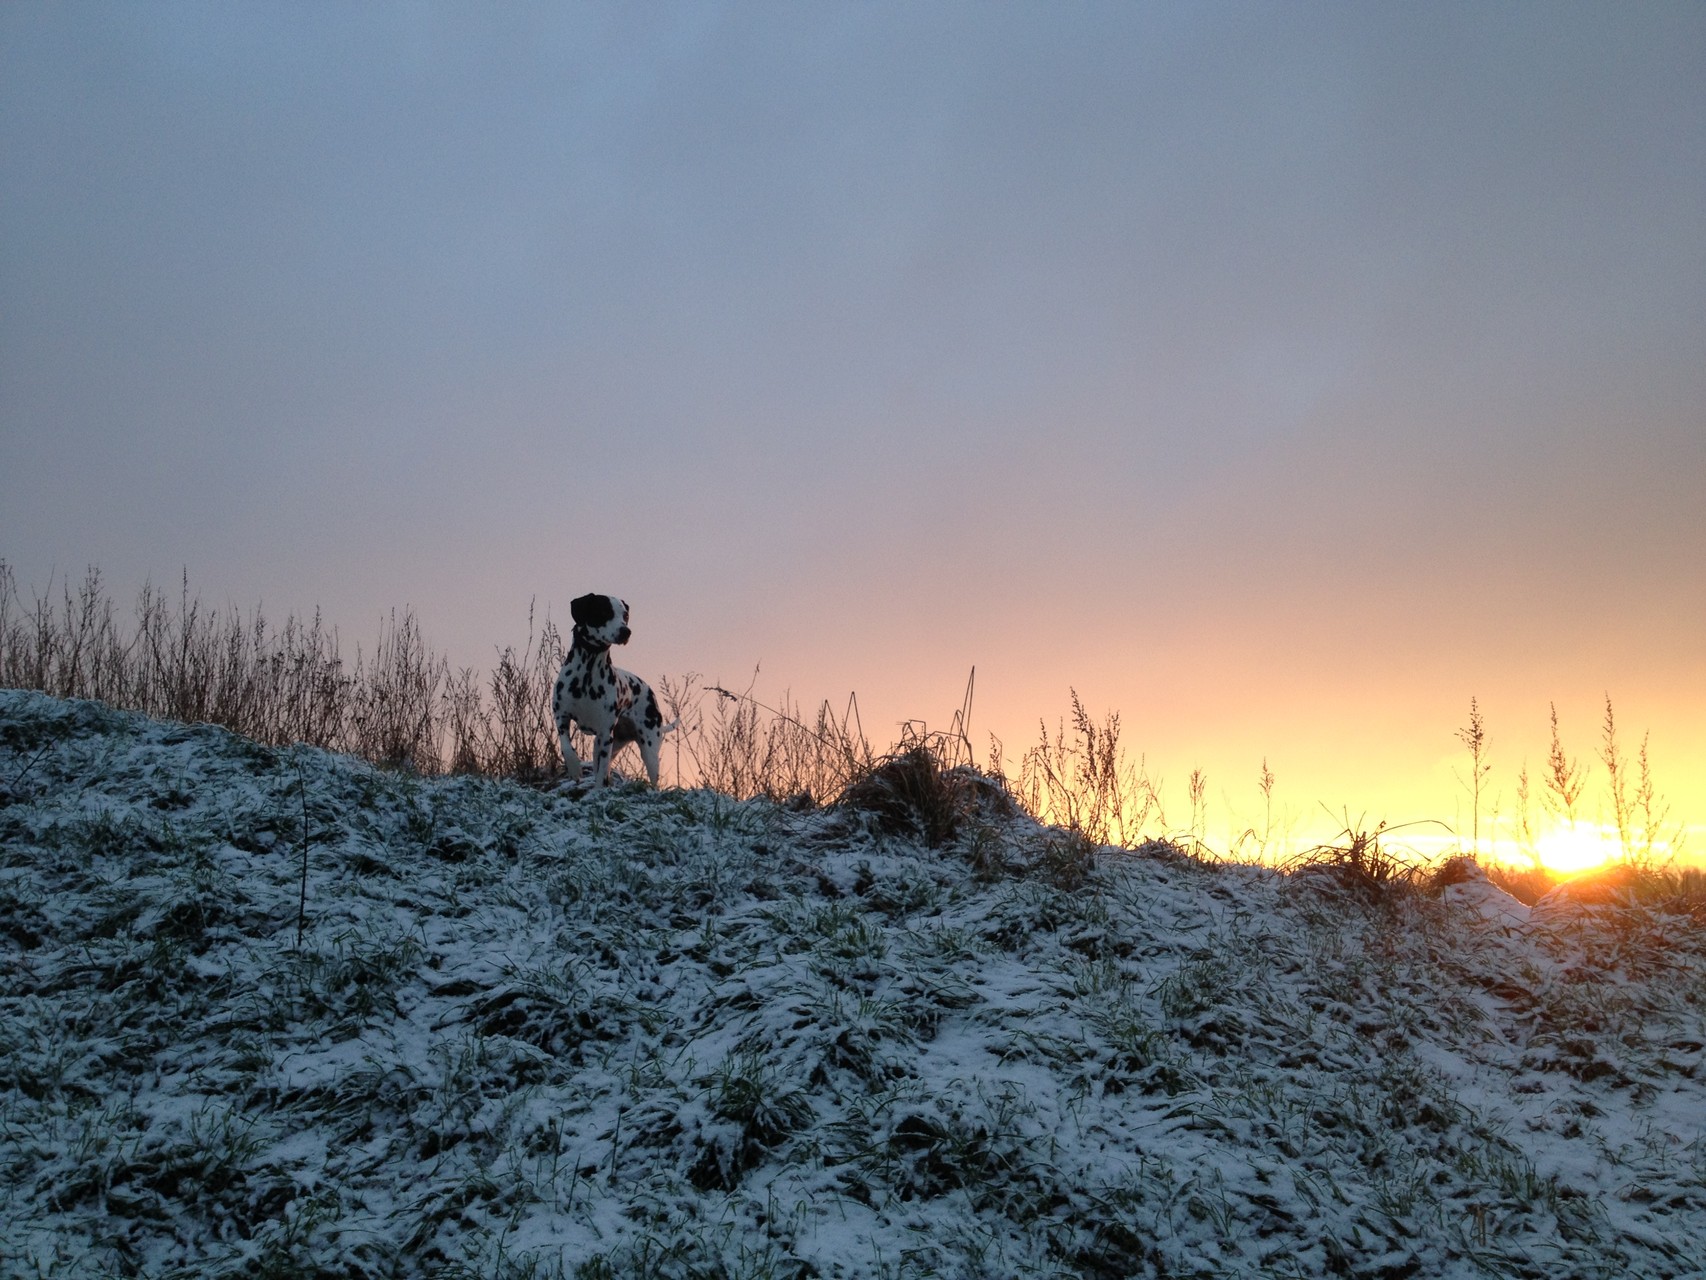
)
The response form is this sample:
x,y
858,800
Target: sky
x,y
1280,376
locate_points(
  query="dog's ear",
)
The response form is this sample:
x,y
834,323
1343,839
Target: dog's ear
x,y
591,611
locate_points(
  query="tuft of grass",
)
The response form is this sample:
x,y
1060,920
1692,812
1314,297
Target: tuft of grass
x,y
757,1112
1358,863
914,793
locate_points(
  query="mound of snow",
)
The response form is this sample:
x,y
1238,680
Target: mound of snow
x,y
1471,890
279,1013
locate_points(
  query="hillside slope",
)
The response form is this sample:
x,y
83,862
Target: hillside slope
x,y
666,1034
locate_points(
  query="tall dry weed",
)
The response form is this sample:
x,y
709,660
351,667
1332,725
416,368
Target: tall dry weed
x,y
1086,783
1474,738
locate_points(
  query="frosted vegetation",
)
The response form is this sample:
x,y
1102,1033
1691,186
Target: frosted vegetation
x,y
273,1011
399,704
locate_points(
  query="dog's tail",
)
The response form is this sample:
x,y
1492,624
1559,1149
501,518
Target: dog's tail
x,y
668,728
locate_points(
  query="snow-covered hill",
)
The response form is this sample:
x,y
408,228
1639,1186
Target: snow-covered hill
x,y
645,1034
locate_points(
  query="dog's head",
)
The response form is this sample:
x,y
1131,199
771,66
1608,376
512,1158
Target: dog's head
x,y
602,619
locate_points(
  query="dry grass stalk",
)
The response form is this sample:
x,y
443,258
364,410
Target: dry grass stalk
x,y
1086,783
1474,737
745,748
1565,778
1527,840
1617,777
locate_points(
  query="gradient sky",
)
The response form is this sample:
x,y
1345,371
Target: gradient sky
x,y
1279,375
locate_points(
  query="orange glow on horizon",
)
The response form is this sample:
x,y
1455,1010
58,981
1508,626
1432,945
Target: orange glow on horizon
x,y
1398,765
1567,850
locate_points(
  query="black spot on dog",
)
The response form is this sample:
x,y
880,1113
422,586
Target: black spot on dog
x,y
591,610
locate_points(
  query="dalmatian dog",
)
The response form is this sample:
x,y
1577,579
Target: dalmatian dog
x,y
605,701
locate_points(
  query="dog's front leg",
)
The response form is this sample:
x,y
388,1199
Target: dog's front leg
x,y
603,748
571,758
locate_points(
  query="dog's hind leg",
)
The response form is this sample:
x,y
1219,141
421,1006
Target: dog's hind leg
x,y
649,749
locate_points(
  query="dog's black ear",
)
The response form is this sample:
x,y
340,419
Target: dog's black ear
x,y
591,611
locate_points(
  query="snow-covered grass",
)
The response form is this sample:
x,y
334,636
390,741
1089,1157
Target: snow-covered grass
x,y
660,1034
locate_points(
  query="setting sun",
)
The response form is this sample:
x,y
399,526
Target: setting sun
x,y
1567,849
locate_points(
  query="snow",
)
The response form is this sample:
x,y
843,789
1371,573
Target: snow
x,y
1480,895
640,1033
